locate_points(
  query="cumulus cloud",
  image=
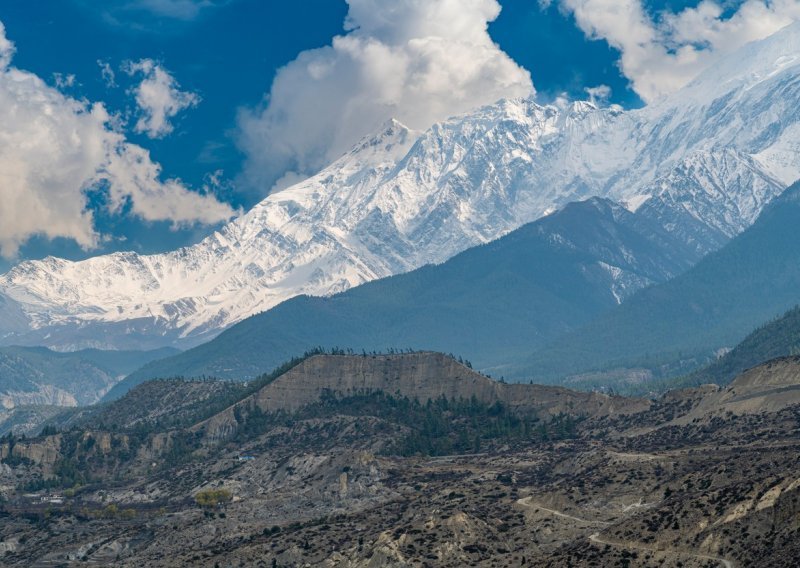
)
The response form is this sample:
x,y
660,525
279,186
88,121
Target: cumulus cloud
x,y
418,61
661,55
54,149
158,97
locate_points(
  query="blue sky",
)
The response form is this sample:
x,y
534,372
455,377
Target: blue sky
x,y
226,54
558,55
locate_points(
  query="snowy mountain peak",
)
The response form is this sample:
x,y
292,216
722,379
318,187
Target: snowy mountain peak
x,y
703,162
390,142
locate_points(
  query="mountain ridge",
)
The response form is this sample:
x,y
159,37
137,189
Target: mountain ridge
x,y
488,303
402,199
710,307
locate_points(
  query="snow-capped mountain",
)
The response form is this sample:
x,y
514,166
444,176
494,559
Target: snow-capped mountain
x,y
704,161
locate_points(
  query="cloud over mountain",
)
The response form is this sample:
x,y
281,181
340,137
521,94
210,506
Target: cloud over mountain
x,y
660,55
418,61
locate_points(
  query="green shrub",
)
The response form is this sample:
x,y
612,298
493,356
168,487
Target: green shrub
x,y
212,497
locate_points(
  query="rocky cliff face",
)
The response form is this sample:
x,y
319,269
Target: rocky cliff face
x,y
46,395
44,452
421,376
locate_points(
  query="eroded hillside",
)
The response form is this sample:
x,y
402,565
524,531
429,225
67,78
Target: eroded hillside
x,y
415,460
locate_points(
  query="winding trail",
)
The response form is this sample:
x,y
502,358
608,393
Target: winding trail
x,y
528,502
595,537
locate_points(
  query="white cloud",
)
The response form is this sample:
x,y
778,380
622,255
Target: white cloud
x,y
109,77
53,149
418,61
6,48
661,55
158,97
64,81
598,95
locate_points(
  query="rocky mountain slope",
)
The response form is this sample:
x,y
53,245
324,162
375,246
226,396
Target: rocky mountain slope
x,y
767,387
168,401
350,476
39,376
28,420
679,325
492,303
704,162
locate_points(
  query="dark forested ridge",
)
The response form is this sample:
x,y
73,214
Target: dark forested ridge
x,y
681,323
778,338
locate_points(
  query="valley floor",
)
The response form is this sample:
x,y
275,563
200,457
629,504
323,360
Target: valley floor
x,y
576,503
